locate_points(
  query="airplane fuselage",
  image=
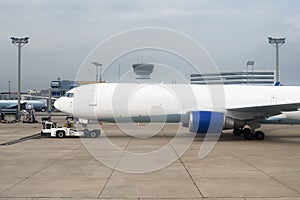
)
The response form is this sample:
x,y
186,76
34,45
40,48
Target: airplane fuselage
x,y
37,105
110,101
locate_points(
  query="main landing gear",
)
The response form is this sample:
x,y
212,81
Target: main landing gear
x,y
249,134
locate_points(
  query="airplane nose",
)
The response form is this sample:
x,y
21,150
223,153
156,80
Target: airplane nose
x,y
57,104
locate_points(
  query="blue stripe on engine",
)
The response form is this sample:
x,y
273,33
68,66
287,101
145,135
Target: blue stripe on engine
x,y
207,122
204,121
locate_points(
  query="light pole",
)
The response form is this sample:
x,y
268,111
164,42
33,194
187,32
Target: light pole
x,y
277,42
97,75
250,63
19,42
9,90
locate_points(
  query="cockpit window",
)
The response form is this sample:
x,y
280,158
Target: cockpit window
x,y
69,94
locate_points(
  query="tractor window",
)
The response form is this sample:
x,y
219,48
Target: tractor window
x,y
48,126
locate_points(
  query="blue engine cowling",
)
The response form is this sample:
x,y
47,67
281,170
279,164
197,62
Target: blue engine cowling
x,y
206,122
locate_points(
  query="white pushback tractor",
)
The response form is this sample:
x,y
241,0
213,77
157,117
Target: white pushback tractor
x,y
50,129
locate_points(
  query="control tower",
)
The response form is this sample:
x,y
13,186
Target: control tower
x,y
143,71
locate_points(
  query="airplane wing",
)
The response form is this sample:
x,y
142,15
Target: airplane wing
x,y
253,112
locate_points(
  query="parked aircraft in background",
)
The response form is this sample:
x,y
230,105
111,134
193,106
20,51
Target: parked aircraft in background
x,y
12,104
244,106
284,118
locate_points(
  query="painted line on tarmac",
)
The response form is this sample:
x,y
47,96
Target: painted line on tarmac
x,y
34,136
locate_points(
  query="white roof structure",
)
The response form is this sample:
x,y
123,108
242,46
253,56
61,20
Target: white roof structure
x,y
261,77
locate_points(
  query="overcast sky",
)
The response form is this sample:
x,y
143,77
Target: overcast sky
x,y
63,32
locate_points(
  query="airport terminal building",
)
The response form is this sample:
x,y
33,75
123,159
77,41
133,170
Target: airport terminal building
x,y
228,78
60,87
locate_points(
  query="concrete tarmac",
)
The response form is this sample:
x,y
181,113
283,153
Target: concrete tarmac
x,y
52,168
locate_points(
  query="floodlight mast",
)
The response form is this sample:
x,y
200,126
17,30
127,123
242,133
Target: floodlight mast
x,y
9,90
19,42
97,76
250,63
277,42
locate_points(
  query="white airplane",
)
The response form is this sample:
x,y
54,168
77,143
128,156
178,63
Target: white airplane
x,y
12,104
292,117
236,107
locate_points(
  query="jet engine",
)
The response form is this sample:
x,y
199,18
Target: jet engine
x,y
206,121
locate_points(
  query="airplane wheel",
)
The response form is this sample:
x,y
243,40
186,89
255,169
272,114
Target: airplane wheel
x,y
60,134
237,132
259,135
248,135
93,134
